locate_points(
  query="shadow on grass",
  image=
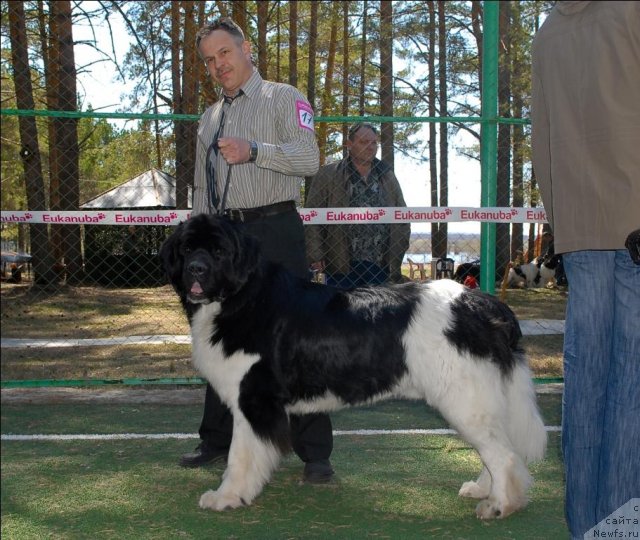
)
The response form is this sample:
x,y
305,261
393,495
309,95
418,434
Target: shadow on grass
x,y
90,312
393,486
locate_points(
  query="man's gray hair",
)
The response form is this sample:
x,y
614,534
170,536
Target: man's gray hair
x,y
357,127
223,23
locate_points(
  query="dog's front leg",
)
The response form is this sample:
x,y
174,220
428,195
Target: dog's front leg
x,y
251,462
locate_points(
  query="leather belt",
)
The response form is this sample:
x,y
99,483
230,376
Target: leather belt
x,y
247,215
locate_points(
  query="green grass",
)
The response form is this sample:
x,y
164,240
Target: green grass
x,y
399,487
393,486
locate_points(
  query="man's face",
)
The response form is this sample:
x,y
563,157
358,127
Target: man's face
x,y
228,61
364,145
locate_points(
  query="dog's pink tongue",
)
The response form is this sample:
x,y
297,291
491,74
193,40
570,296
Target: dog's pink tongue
x,y
196,288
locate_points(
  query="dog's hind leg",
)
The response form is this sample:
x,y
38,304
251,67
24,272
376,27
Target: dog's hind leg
x,y
510,481
251,462
480,417
504,473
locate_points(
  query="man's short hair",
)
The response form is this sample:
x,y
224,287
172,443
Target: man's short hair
x,y
357,127
223,23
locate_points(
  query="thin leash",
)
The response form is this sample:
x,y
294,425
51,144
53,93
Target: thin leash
x,y
212,189
223,202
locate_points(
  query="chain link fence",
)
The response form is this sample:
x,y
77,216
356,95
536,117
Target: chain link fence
x,y
413,71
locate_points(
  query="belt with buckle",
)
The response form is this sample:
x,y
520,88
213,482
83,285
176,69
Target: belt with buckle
x,y
247,215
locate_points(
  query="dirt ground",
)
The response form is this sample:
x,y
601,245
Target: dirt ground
x,y
124,395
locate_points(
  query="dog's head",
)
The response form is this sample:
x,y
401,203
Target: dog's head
x,y
551,261
207,259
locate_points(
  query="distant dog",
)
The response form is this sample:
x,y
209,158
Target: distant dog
x,y
554,262
463,270
271,344
535,274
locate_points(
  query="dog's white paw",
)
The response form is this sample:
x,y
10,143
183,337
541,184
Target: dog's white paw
x,y
489,509
214,500
492,509
473,491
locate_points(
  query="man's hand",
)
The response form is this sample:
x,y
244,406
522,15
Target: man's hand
x,y
234,150
633,245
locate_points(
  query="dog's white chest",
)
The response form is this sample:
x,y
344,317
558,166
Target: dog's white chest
x,y
223,372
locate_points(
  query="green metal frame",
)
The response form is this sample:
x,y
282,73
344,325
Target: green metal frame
x,y
489,142
488,170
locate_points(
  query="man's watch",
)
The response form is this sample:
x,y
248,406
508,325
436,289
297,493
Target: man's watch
x,y
253,152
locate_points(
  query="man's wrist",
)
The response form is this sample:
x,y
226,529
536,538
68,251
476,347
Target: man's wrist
x,y
253,151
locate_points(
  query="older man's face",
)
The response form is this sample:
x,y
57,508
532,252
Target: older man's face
x,y
364,145
227,59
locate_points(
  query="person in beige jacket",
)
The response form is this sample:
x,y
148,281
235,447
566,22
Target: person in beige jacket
x,y
586,158
359,254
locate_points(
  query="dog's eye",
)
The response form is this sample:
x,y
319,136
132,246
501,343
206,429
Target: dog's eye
x,y
186,250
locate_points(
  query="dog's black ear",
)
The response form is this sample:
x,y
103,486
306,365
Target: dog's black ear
x,y
172,258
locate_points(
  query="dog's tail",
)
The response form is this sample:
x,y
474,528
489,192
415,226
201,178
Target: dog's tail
x,y
525,426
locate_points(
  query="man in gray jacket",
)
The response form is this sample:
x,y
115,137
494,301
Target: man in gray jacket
x,y
359,254
586,157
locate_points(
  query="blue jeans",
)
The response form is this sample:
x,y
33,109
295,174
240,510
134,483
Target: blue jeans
x,y
601,402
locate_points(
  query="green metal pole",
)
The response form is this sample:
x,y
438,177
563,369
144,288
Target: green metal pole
x,y
489,142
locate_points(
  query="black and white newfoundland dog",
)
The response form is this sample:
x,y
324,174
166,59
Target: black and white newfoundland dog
x,y
271,345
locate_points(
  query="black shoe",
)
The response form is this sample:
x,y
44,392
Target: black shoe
x,y
203,455
318,472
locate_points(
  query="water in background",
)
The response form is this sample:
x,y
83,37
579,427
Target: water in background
x,y
427,258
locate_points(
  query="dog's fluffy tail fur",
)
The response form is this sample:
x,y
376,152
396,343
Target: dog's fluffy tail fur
x,y
525,426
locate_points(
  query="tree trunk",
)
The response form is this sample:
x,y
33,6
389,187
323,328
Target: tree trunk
x,y
278,42
185,94
531,241
441,244
208,92
363,60
190,92
293,43
313,40
517,240
176,89
328,81
311,73
263,14
156,121
504,139
476,26
386,79
30,151
63,64
50,49
345,74
238,13
534,196
433,162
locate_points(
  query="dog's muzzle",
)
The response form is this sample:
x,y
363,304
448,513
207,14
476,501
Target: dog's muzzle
x,y
197,269
198,272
